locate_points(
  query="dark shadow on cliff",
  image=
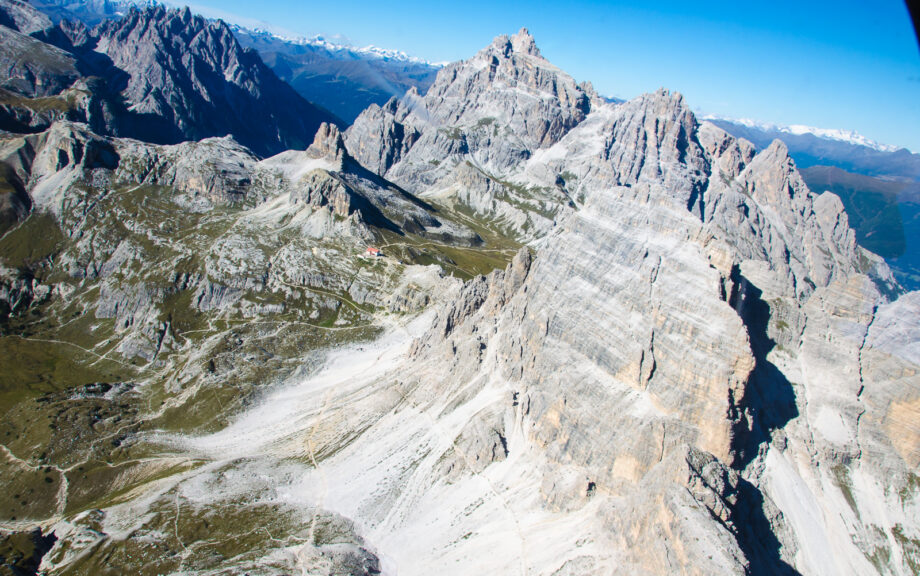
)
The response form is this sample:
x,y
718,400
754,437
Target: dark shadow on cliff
x,y
769,403
769,399
755,534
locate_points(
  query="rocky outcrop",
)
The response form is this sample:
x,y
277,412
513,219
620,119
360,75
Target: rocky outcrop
x,y
217,169
328,144
321,188
380,139
326,175
19,292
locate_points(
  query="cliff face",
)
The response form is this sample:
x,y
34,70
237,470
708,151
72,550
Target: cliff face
x,y
194,75
157,75
691,368
479,120
688,369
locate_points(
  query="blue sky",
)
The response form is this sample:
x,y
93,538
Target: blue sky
x,y
851,65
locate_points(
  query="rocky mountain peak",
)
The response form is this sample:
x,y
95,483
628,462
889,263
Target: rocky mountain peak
x,y
328,143
523,43
497,107
520,44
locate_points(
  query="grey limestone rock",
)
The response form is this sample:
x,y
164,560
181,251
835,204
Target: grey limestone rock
x,y
492,111
698,341
22,17
33,68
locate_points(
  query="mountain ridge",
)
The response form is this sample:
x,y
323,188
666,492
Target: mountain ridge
x,y
504,326
167,76
340,78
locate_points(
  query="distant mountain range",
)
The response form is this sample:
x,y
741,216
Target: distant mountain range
x,y
819,147
342,79
845,136
90,12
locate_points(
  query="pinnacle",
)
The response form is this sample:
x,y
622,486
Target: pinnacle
x,y
327,143
523,42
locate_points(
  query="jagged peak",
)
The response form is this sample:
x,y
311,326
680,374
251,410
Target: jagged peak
x,y
164,18
588,88
777,153
663,102
327,143
393,103
519,44
666,94
523,43
778,148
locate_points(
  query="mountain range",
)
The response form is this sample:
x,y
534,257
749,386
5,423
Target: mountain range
x,y
501,325
157,75
341,79
346,80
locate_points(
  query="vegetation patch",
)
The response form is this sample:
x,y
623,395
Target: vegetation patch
x,y
36,367
29,492
910,548
842,476
34,240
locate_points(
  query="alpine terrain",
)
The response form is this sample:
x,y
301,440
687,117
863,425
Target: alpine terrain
x,y
498,326
879,186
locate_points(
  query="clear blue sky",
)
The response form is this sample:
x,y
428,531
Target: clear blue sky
x,y
851,64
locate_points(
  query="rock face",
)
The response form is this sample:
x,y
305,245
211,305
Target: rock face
x,y
341,79
22,17
167,76
32,68
692,369
490,112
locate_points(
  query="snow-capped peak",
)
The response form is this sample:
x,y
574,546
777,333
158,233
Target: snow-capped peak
x,y
369,51
848,136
